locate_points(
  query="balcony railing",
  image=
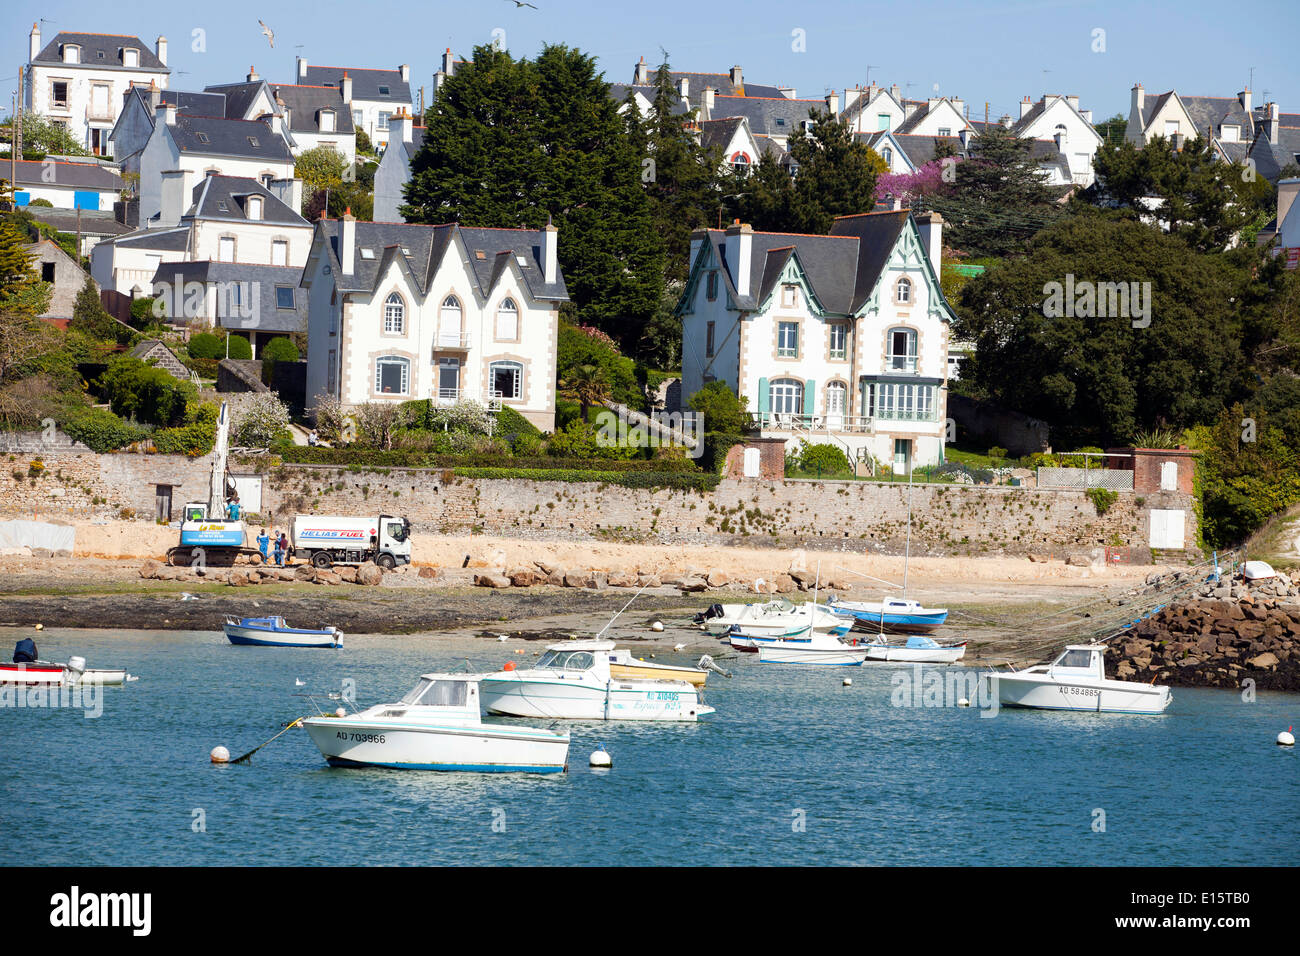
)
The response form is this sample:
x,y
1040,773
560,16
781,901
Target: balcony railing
x,y
446,397
789,422
451,342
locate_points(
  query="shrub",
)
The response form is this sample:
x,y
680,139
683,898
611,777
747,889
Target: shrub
x,y
722,409
1102,499
332,423
822,459
44,203
195,437
205,345
239,347
280,350
716,447
145,392
262,421
100,430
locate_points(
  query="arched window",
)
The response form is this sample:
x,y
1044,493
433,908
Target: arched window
x,y
837,403
507,380
394,315
508,321
392,375
903,291
785,396
902,350
449,322
253,209
887,155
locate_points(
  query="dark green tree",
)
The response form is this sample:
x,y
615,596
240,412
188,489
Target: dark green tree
x,y
90,318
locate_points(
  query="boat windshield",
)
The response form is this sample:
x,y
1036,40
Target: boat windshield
x,y
438,693
566,661
1075,659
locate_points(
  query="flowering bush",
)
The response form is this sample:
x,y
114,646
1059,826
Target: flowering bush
x,y
924,181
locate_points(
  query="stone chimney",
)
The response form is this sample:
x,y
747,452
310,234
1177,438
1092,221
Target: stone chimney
x,y
252,75
172,203
833,103
641,73
709,94
34,46
302,68
288,191
404,71
399,126
550,252
1271,124
1244,99
737,78
788,92
160,50
169,114
1287,191
908,109
448,62
347,244
1138,101
893,91
1025,106
930,225
739,247
345,88
684,87
1087,116
1073,101
155,96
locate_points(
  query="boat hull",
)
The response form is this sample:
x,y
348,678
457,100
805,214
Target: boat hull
x,y
1106,697
58,675
590,700
246,636
641,671
897,623
481,748
786,652
915,655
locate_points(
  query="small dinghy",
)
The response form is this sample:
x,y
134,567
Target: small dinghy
x,y
274,632
50,674
897,615
918,649
1257,571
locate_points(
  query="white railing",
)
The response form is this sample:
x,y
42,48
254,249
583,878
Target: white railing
x,y
786,421
452,340
1114,479
446,397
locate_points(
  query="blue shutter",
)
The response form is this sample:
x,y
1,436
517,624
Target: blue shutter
x,y
762,396
810,398
85,199
22,198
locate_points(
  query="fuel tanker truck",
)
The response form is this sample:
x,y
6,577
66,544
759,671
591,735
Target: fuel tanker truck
x,y
326,540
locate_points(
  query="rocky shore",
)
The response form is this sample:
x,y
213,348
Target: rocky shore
x,y
1222,635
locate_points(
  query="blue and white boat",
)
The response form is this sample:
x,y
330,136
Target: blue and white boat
x,y
274,632
892,614
918,649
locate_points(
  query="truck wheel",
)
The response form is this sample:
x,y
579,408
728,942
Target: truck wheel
x,y
386,561
321,559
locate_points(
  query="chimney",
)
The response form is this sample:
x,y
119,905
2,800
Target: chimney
x,y
1271,124
1287,190
549,252
684,87
788,92
641,74
1005,121
738,80
1244,99
169,114
302,68
399,126
160,50
1073,101
1025,106
701,236
347,244
448,62
35,45
959,106
288,191
1087,116
893,91
172,197
405,71
963,134
833,103
252,75
1060,139
908,109
709,94
739,244
1139,100
345,87
155,96
930,225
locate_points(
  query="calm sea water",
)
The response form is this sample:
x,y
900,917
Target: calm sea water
x,y
793,769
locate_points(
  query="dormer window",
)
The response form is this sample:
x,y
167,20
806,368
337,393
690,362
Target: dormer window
x,y
367,253
252,141
202,137
1231,134
327,121
71,53
253,209
130,57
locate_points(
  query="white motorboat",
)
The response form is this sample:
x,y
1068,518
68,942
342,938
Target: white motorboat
x,y
573,681
775,618
918,649
50,674
437,726
813,647
1076,680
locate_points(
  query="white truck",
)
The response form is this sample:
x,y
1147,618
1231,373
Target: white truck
x,y
327,540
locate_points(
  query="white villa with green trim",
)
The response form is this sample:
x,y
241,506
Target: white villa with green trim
x,y
838,339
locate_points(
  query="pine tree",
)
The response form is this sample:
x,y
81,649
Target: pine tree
x,y
89,316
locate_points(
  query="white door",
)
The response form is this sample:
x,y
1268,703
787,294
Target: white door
x,y
1167,529
1169,476
836,405
902,455
249,489
752,456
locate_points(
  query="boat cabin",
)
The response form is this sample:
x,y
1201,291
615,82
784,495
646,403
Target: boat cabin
x,y
1080,660
440,695
578,657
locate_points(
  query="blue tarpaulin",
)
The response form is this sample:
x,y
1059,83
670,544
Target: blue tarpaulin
x,y
25,651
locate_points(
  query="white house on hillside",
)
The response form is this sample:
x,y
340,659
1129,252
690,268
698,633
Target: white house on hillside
x,y
65,185
77,80
1060,120
399,312
838,339
372,96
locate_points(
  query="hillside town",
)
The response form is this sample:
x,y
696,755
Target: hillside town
x,y
484,352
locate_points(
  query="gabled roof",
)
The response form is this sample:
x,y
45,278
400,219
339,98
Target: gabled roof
x,y
199,104
248,139
1270,159
917,150
163,240
365,83
101,50
268,316
877,233
1208,113
718,133
66,174
923,109
305,104
91,222
237,98
226,197
699,82
488,251
770,116
618,92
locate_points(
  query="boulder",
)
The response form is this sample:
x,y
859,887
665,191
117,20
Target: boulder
x,y
304,572
1264,661
524,577
428,572
718,579
807,580
369,574
347,574
238,579
491,580
622,579
556,578
691,584
327,577
150,568
547,567
1078,559
783,584
579,579
1043,559
648,580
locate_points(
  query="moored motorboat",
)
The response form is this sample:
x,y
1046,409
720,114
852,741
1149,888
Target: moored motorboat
x,y
1076,680
917,649
623,666
573,681
28,669
274,632
812,647
898,615
437,726
773,619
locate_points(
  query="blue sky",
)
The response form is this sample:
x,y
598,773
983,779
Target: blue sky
x,y
995,52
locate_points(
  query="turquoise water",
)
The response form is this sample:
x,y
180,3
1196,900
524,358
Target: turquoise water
x,y
876,784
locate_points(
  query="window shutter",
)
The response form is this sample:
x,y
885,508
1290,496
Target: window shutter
x,y
809,397
762,396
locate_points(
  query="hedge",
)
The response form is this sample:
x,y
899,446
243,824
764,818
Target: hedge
x,y
696,481
404,458
101,431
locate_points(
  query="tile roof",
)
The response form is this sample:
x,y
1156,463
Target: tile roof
x,y
365,83
101,50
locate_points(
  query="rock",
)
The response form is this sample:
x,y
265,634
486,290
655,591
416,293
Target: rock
x,y
1078,559
691,584
648,580
150,568
305,572
556,578
599,580
347,573
579,579
718,579
524,577
491,580
622,579
1043,559
327,577
1265,661
783,584
238,579
807,580
428,572
256,559
547,567
369,574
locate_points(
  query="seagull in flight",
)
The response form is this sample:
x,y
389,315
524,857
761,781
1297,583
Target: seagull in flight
x,y
268,33
520,3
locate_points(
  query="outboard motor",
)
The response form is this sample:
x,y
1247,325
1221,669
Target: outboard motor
x,y
25,651
77,665
714,610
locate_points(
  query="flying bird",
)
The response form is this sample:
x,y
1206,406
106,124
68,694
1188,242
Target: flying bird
x,y
267,32
520,3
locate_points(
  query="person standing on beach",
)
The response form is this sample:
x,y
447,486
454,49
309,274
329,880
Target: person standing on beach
x,y
263,542
284,545
279,548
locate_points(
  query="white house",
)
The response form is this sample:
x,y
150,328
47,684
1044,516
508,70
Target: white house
x,y
78,79
65,185
936,116
317,116
195,146
138,116
399,312
221,218
1060,120
873,109
838,339
372,96
394,172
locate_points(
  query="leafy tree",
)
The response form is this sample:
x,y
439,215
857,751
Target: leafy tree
x,y
262,421
90,318
583,345
721,409
376,422
514,143
1112,130
998,199
42,136
145,393
364,146
320,168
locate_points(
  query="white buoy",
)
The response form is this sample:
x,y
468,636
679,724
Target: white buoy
x,y
340,712
963,702
503,638
600,757
40,627
656,625
848,682
220,754
1286,738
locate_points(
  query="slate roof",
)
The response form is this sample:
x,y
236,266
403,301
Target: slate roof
x,y
618,92
197,104
71,175
229,137
108,44
718,133
305,103
237,98
225,197
921,112
164,240
919,150
365,83
771,116
417,140
92,222
722,83
423,247
842,268
1208,113
1271,159
267,317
